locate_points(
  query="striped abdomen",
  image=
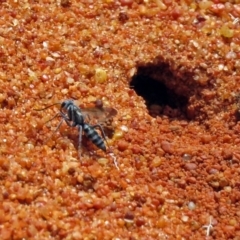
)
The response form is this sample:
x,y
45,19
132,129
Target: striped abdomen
x,y
93,135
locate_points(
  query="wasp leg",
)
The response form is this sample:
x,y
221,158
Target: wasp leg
x,y
79,140
102,131
67,120
88,117
59,125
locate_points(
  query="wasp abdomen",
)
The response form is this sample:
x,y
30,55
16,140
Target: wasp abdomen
x,y
93,135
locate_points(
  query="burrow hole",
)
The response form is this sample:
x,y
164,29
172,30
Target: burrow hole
x,y
160,99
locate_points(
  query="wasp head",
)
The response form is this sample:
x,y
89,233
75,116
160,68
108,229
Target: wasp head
x,y
66,104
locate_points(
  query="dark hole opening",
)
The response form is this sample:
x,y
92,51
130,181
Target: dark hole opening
x,y
160,99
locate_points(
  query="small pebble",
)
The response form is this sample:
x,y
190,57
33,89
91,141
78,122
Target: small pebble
x,y
190,166
100,75
186,157
122,145
191,205
167,147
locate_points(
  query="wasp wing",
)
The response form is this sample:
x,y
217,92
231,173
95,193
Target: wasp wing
x,y
101,115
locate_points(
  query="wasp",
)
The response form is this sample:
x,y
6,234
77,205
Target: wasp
x,y
74,116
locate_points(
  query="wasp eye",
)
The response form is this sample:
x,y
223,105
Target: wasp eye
x,y
63,105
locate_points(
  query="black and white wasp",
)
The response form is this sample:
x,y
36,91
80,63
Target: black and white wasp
x,y
74,116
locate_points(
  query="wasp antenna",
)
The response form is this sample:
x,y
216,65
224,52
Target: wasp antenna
x,y
47,107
